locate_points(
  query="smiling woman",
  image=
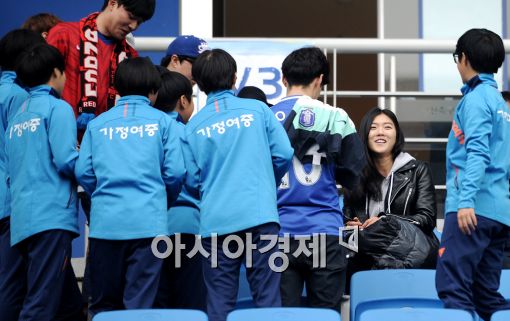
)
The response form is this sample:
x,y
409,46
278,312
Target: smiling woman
x,y
382,137
394,185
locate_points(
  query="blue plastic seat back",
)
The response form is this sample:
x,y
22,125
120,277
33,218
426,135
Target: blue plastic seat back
x,y
244,287
284,314
152,315
392,288
419,314
501,316
504,284
244,297
437,234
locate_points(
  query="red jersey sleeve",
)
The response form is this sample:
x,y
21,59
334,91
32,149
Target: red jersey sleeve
x,y
58,38
65,36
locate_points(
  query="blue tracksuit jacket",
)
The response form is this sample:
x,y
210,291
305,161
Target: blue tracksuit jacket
x,y
236,153
130,158
184,214
478,152
12,97
40,145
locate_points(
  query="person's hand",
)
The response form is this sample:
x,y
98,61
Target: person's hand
x,y
370,221
83,119
467,220
353,222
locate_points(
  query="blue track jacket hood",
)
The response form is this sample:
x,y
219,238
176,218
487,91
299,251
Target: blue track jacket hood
x,y
130,158
478,152
40,156
236,153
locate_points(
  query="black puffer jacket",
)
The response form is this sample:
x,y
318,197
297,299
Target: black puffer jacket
x,y
412,196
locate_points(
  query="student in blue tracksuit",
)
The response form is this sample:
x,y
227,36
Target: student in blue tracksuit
x,y
40,145
236,153
477,171
182,284
506,261
308,200
130,160
12,97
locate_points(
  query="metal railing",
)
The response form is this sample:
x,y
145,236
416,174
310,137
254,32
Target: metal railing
x,y
342,45
353,46
346,46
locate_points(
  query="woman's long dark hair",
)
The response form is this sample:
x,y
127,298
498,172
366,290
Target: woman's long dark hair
x,y
371,179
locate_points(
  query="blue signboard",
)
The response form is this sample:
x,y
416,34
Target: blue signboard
x,y
165,21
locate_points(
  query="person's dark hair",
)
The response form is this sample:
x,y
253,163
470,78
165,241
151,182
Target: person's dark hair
x,y
483,48
35,66
173,86
162,70
253,92
506,95
371,178
14,43
303,65
41,22
137,76
214,70
165,61
141,9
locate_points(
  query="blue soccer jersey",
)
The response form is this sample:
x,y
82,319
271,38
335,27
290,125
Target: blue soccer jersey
x,y
308,200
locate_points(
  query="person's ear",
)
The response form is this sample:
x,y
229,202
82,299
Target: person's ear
x,y
285,82
317,82
112,3
463,59
234,81
56,74
153,96
183,102
174,61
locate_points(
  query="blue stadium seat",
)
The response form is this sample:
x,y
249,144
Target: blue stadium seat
x,y
438,234
378,289
504,284
418,314
501,316
284,314
244,298
152,315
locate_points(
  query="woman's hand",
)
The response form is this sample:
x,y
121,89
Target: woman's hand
x,y
353,222
370,221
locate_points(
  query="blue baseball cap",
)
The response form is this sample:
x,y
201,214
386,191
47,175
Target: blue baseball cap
x,y
188,46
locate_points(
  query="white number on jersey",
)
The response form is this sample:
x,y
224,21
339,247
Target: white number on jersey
x,y
303,177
